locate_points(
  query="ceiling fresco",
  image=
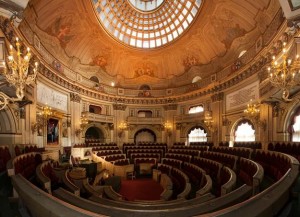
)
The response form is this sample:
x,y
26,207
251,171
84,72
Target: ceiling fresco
x,y
71,32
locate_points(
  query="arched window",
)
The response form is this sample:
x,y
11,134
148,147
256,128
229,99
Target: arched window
x,y
197,134
145,87
94,79
296,130
196,109
294,127
244,132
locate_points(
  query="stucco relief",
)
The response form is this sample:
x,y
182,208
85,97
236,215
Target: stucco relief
x,y
189,61
145,68
99,60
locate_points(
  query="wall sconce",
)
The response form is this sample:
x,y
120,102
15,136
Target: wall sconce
x,y
209,122
18,73
83,123
45,114
253,113
252,110
168,128
121,128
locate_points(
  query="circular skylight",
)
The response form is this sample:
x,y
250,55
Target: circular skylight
x,y
136,23
146,5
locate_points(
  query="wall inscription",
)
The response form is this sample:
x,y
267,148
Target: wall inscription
x,y
243,96
52,98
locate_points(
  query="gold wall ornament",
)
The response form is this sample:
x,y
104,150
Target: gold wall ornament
x,y
253,113
168,128
121,128
252,110
17,74
284,72
46,113
83,121
209,122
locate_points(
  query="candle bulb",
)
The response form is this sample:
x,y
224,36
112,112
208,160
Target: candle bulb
x,y
17,39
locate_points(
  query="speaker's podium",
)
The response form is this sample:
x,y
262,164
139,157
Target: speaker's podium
x,y
90,167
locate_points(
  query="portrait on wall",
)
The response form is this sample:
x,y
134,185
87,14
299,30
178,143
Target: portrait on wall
x,y
53,132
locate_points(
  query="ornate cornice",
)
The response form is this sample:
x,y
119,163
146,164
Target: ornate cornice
x,y
217,97
120,107
170,107
75,97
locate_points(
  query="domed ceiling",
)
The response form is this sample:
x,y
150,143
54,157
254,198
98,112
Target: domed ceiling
x,y
165,44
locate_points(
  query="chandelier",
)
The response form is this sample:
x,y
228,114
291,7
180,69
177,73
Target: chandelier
x,y
252,110
284,74
17,74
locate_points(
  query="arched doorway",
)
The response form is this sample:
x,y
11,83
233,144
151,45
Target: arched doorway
x,y
144,135
94,133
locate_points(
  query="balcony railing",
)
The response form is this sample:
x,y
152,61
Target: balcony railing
x,y
145,120
99,118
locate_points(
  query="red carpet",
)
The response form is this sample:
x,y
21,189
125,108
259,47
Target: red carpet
x,y
140,189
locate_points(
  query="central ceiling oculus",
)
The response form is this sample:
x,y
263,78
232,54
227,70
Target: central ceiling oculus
x,y
146,23
146,5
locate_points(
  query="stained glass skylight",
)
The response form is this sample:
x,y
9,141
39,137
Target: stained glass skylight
x,y
146,23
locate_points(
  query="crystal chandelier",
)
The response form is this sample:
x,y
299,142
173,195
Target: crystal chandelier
x,y
17,74
284,75
252,110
